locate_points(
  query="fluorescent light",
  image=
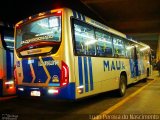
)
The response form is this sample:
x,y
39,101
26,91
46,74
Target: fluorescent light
x,y
90,42
144,48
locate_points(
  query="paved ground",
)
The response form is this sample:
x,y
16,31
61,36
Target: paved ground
x,y
141,98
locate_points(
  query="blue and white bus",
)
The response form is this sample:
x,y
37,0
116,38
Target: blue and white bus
x,y
7,84
64,54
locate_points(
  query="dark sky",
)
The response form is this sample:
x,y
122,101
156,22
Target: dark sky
x,y
12,11
16,10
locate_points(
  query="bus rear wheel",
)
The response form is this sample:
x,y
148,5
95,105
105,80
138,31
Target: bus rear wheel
x,y
122,86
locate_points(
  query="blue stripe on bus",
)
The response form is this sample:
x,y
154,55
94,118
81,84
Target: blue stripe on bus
x,y
40,74
26,71
132,70
8,65
80,71
74,13
136,66
90,73
86,74
53,70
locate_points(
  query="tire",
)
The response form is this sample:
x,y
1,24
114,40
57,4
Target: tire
x,y
145,79
147,72
122,86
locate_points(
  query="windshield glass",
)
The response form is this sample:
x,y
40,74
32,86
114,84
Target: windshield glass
x,y
45,29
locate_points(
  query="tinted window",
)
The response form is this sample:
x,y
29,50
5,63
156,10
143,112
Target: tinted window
x,y
130,50
104,43
119,48
85,42
46,29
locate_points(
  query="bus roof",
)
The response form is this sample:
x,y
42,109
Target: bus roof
x,y
88,20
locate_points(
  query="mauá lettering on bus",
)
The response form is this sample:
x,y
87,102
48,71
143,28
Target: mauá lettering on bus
x,y
48,63
113,65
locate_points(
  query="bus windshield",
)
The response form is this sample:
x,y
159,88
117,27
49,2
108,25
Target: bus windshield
x,y
42,30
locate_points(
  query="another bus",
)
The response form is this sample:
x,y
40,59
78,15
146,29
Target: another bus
x,y
7,84
66,55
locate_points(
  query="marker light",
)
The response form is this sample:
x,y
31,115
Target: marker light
x,y
10,87
21,89
59,11
53,91
80,89
40,14
17,26
9,83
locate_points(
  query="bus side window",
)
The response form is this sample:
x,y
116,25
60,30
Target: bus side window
x,y
119,48
129,50
85,42
104,43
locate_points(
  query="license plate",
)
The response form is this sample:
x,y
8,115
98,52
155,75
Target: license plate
x,y
35,93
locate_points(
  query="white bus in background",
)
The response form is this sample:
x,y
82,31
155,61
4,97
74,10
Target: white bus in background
x,y
64,54
7,84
